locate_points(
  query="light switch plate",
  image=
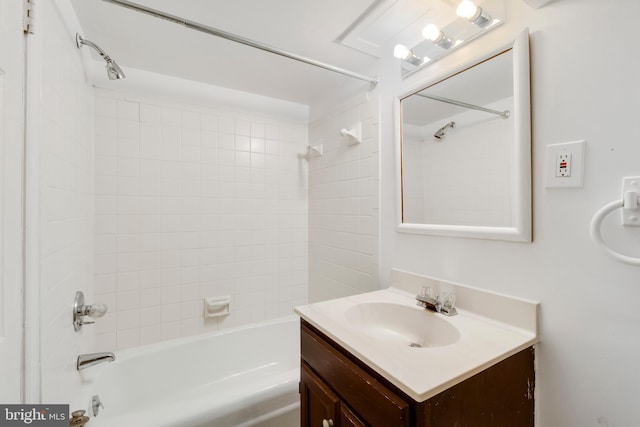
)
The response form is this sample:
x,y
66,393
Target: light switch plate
x,y
630,192
566,150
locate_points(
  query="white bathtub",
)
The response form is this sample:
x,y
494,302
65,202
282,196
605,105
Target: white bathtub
x,y
244,376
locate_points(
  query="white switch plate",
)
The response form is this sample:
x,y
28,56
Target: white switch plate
x,y
631,214
567,150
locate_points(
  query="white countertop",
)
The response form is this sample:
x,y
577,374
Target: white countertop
x,y
424,372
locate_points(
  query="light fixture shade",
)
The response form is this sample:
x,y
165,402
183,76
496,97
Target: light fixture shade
x,y
404,53
431,32
401,52
475,14
466,9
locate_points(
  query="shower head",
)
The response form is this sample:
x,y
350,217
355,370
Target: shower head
x,y
440,133
113,69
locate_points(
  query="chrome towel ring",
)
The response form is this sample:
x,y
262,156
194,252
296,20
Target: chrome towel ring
x,y
630,205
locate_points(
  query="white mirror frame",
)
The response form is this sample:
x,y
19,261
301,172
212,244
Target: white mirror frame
x,y
521,231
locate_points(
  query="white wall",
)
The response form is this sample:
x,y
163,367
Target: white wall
x,y
66,185
194,202
584,86
413,181
344,202
463,178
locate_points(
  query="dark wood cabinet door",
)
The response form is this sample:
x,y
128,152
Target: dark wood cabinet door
x,y
320,406
372,401
349,419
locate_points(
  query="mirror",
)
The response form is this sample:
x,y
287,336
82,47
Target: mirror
x,y
465,150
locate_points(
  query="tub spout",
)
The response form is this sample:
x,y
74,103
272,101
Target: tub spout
x,y
87,360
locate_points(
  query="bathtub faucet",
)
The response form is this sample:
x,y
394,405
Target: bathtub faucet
x,y
87,360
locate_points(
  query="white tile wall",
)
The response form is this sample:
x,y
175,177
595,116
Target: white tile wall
x,y
344,204
66,203
191,203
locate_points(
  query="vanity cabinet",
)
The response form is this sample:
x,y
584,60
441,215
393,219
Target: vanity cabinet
x,y
323,407
339,390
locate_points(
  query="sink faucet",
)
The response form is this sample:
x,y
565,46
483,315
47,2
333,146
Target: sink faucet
x,y
439,303
87,360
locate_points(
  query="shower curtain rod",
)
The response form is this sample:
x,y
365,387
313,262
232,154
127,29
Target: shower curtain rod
x,y
239,39
504,114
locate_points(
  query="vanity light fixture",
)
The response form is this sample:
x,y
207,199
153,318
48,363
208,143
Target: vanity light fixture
x,y
475,14
404,53
433,33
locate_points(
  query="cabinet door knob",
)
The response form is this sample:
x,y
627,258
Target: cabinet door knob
x,y
327,423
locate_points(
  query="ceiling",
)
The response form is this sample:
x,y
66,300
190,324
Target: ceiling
x,y
351,35
482,84
305,27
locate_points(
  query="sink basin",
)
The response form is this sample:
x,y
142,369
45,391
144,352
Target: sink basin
x,y
401,324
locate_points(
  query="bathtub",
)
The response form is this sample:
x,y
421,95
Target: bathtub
x,y
245,376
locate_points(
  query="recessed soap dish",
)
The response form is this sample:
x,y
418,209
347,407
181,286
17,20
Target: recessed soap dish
x,y
217,306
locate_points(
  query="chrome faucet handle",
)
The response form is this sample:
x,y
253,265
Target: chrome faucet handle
x,y
96,310
428,299
448,301
443,303
96,404
80,311
428,292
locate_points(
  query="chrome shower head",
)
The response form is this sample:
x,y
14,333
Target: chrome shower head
x,y
114,72
440,133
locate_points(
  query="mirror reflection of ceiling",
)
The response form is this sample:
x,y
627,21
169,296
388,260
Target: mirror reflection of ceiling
x,y
496,75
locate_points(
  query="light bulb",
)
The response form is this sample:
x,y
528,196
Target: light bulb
x,y
401,52
431,32
474,14
466,9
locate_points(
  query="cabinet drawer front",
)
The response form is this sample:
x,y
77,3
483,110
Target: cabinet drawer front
x,y
374,403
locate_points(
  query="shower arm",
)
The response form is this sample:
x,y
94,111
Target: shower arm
x,y
80,41
239,39
504,114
